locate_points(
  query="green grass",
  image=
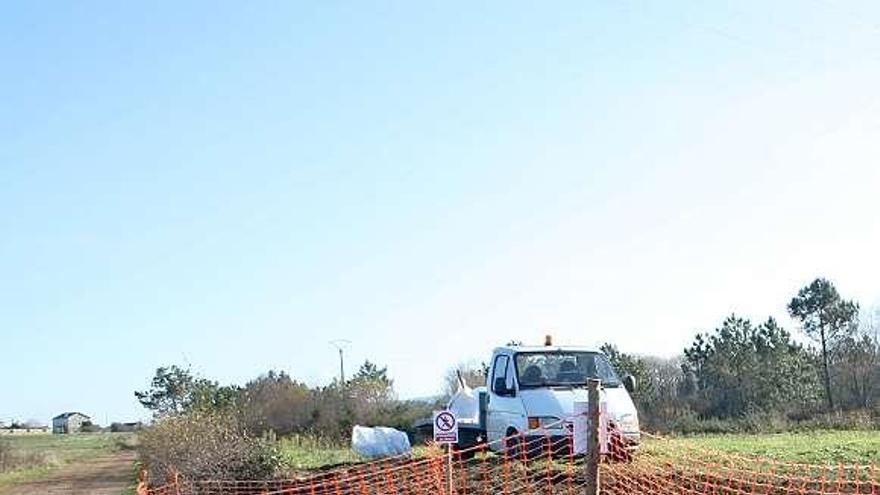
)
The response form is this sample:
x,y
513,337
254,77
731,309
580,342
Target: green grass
x,y
305,452
49,452
818,447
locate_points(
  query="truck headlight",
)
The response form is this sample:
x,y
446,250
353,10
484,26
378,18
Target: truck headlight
x,y
546,422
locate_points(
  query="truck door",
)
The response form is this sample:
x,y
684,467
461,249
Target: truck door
x,y
504,408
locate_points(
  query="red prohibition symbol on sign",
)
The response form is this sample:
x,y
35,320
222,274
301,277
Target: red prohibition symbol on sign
x,y
445,421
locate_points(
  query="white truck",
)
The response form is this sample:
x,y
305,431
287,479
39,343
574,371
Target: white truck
x,y
531,392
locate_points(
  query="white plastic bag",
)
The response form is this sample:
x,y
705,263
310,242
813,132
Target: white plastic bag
x,y
379,441
465,404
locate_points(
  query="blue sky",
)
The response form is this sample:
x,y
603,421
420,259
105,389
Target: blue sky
x,y
231,186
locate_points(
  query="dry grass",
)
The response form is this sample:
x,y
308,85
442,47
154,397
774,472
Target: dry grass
x,y
15,459
33,457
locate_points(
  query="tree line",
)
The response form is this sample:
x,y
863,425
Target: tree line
x,y
204,430
740,375
277,403
757,376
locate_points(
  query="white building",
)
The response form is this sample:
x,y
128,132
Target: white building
x,y
69,422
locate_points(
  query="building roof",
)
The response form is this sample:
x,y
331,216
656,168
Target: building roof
x,y
69,414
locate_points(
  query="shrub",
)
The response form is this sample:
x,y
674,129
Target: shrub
x,y
125,427
850,420
206,445
89,427
275,402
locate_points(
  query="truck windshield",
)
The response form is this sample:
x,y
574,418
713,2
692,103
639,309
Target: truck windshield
x,y
561,368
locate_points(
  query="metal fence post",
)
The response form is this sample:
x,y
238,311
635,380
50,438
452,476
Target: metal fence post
x,y
593,453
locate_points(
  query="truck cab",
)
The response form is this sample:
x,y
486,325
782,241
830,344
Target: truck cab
x,y
532,391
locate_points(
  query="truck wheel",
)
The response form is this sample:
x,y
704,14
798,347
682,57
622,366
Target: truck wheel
x,y
513,445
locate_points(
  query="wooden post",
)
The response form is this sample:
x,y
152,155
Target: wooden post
x,y
449,490
593,452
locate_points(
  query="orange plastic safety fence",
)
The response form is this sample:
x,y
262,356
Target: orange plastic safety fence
x,y
675,467
548,465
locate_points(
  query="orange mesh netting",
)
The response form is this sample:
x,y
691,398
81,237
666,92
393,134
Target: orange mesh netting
x,y
547,465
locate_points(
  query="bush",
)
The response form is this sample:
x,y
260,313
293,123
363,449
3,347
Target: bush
x,y
850,420
125,427
689,423
206,445
89,427
275,402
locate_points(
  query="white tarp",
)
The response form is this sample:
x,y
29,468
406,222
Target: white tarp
x,y
465,405
379,441
465,402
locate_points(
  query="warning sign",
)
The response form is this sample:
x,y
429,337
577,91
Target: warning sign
x,y
445,427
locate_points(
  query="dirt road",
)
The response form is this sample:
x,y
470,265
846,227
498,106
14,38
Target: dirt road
x,y
107,475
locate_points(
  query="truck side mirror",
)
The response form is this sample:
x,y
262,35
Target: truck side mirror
x,y
629,383
500,387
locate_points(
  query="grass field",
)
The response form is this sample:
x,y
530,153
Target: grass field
x,y
46,453
304,453
819,447
307,453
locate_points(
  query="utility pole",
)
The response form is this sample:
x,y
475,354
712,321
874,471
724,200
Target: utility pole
x,y
340,345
